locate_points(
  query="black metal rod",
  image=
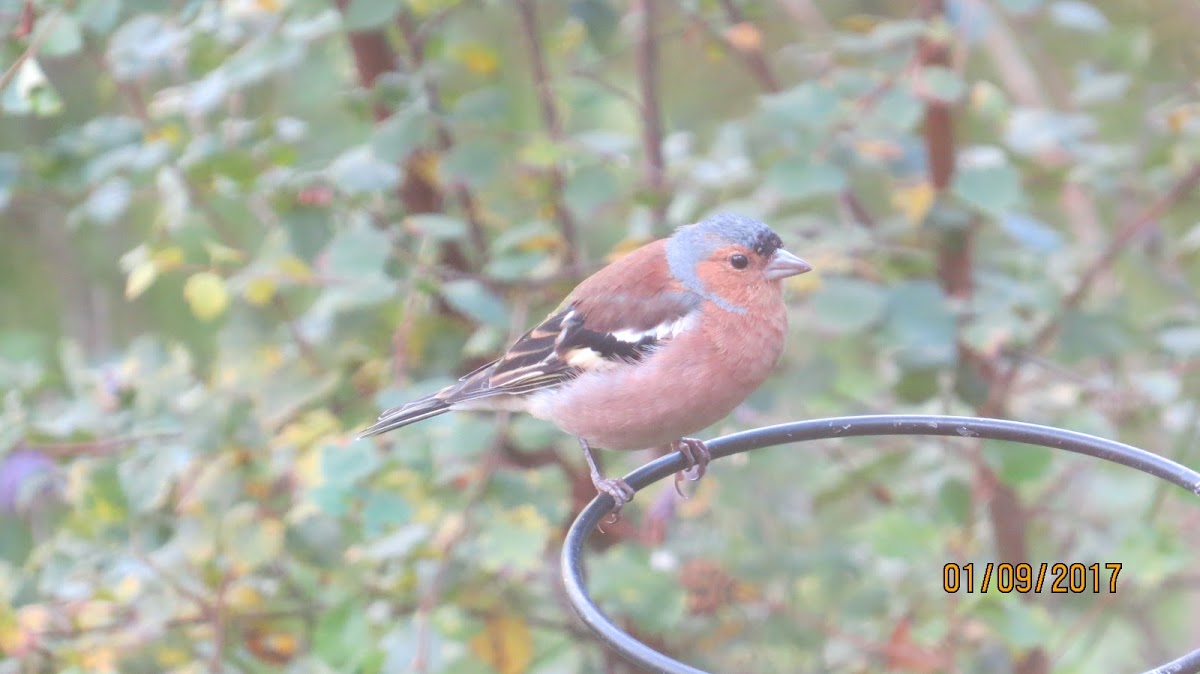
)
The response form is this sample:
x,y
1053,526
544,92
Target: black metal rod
x,y
844,427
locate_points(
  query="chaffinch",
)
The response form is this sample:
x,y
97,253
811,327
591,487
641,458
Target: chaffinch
x,y
660,344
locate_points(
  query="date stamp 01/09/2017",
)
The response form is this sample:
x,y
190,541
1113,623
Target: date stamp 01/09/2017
x,y
1055,578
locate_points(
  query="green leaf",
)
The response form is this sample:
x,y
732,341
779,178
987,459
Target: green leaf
x,y
992,189
347,465
474,164
343,636
1082,16
1181,341
1017,463
943,84
364,14
847,305
144,45
397,136
474,299
437,226
900,535
1092,335
808,105
108,201
513,541
359,252
358,171
99,16
920,326
59,34
384,510
600,19
1021,6
917,385
798,178
954,498
10,173
1031,233
250,540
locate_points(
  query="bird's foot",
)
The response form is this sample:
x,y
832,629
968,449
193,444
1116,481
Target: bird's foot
x,y
618,489
695,455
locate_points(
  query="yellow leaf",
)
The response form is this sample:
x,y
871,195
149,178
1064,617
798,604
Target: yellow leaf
x,y
219,252
168,258
205,292
805,283
99,659
744,36
506,644
424,163
478,58
172,657
541,242
269,5
624,246
172,134
914,200
127,589
140,279
879,149
294,267
242,597
860,23
259,291
92,615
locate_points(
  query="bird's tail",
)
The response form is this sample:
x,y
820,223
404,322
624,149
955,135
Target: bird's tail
x,y
471,386
408,414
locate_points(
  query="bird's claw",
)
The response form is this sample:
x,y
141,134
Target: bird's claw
x,y
619,490
695,455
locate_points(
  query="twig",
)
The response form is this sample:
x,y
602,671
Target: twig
x,y
806,12
98,446
1043,337
429,600
754,59
30,50
217,617
415,42
761,70
652,133
550,119
307,352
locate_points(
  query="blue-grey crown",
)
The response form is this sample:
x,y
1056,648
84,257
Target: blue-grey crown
x,y
693,243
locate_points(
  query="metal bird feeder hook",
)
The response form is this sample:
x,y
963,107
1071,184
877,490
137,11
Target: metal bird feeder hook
x,y
842,427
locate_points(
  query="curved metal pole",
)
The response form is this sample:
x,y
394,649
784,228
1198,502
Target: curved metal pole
x,y
843,427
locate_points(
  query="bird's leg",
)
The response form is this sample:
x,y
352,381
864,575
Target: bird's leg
x,y
620,492
695,455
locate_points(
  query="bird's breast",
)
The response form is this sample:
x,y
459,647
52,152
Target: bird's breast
x,y
689,383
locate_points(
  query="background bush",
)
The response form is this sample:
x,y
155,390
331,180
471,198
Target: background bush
x,y
234,231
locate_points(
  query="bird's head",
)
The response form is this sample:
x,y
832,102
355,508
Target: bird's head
x,y
730,257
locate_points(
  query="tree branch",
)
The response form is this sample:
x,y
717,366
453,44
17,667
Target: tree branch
x,y
652,133
553,125
445,138
755,61
1045,335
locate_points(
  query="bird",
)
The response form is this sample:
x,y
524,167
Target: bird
x,y
658,345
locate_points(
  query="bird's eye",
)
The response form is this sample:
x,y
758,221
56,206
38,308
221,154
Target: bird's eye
x,y
739,261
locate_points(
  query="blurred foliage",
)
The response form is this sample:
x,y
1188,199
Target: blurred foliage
x,y
234,231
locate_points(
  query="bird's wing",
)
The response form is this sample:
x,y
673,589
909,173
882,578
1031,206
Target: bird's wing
x,y
618,315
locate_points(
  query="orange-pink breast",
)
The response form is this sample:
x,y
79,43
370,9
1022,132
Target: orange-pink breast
x,y
689,384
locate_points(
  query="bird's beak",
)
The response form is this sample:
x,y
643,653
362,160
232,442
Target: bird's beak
x,y
783,264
